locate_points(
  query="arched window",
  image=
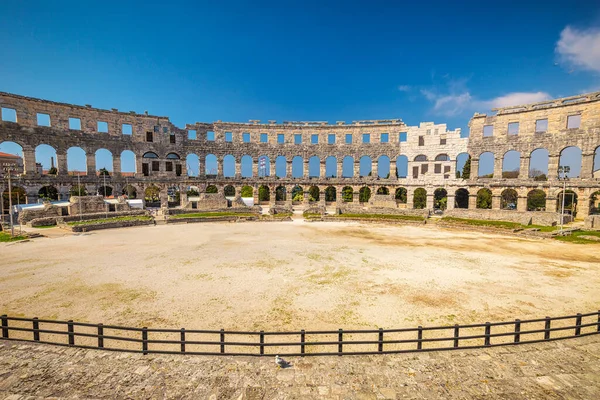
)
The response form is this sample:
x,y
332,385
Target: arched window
x,y
421,157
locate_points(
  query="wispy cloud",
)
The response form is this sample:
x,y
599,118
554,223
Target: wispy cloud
x,y
514,99
404,88
580,48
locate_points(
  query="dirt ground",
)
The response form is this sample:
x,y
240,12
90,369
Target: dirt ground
x,y
294,275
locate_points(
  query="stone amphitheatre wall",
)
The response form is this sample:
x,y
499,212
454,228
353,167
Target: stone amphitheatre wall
x,y
427,154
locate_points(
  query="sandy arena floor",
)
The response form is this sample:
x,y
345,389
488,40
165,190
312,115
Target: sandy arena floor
x,y
295,275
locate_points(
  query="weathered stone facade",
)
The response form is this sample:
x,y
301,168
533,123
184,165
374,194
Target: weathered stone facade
x,y
427,153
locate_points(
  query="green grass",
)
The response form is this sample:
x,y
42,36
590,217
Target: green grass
x,y
212,215
543,228
575,237
280,215
115,219
499,224
311,215
45,226
5,237
381,216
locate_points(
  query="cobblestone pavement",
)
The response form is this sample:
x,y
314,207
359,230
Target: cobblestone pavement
x,y
555,370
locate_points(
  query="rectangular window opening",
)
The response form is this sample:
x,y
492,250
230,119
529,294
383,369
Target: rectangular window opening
x,y
297,138
127,129
488,130
424,168
264,138
573,121
421,140
155,166
102,126
366,138
280,138
192,134
9,114
228,137
75,124
149,136
442,141
437,168
348,138
403,136
43,119
330,139
541,126
172,138
210,136
169,166
165,129
314,139
385,138
513,128
246,137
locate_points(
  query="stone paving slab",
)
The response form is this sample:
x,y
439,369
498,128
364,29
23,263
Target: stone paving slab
x,y
567,369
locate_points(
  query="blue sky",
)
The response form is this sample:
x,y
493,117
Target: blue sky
x,y
309,60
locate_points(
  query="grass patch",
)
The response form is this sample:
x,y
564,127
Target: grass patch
x,y
312,215
576,237
381,216
5,237
106,220
212,215
480,222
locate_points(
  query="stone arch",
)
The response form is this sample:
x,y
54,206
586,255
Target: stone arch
x,y
297,194
211,189
401,166
348,167
347,194
173,156
246,166
571,156
596,164
78,190
331,167
152,196
538,164
314,167
536,200
247,191
128,162
264,166
440,199
511,164
484,199
281,167
314,193
46,156
571,200
211,165
104,161
486,165
330,194
297,167
509,199
280,193
192,163
595,203
76,161
229,191
401,195
420,198
14,149
463,165
18,195
364,194
48,192
264,194
461,198
105,191
229,166
383,190
129,191
383,167
442,157
365,166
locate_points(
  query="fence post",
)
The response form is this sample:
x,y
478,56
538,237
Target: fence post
x,y
302,341
340,346
380,347
517,330
222,337
578,325
262,342
4,326
487,334
547,329
100,336
145,340
71,332
36,329
419,338
456,331
182,338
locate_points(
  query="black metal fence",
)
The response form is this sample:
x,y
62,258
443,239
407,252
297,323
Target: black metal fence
x,y
299,343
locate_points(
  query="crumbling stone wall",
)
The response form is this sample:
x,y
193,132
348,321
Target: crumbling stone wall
x,y
87,205
592,222
524,218
49,210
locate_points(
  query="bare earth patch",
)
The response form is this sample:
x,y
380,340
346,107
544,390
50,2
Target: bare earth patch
x,y
295,275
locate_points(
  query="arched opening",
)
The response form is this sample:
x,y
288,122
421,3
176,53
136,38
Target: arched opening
x,y
76,161
129,191
383,190
48,193
297,194
150,164
486,165
347,194
511,164
173,196
440,199
14,157
17,194
229,166
365,166
229,191
264,166
211,165
571,157
211,189
173,164
314,193
509,199
596,167
193,191
105,191
264,194
442,157
247,192
595,203
331,167
538,165
420,198
314,165
330,194
484,199
128,167
401,195
192,162
383,167
536,200
152,196
246,166
570,199
461,198
348,167
463,166
280,193
281,167
45,159
297,167
78,190
401,167
104,162
364,194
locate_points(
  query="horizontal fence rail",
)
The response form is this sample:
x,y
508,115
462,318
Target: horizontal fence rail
x,y
299,343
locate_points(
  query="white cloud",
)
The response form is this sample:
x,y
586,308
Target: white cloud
x,y
514,99
580,48
404,88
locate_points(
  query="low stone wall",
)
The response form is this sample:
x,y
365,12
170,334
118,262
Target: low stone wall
x,y
383,210
49,210
87,205
592,222
50,221
522,217
109,225
246,209
281,209
313,209
383,201
370,220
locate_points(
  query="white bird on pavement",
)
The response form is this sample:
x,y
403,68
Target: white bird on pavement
x,y
281,363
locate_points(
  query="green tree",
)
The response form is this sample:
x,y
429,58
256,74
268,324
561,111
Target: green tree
x,y
103,171
18,195
77,189
193,193
211,189
364,194
264,194
280,194
536,200
152,194
401,195
313,191
466,171
484,199
48,193
347,194
330,194
229,190
247,191
52,171
420,198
